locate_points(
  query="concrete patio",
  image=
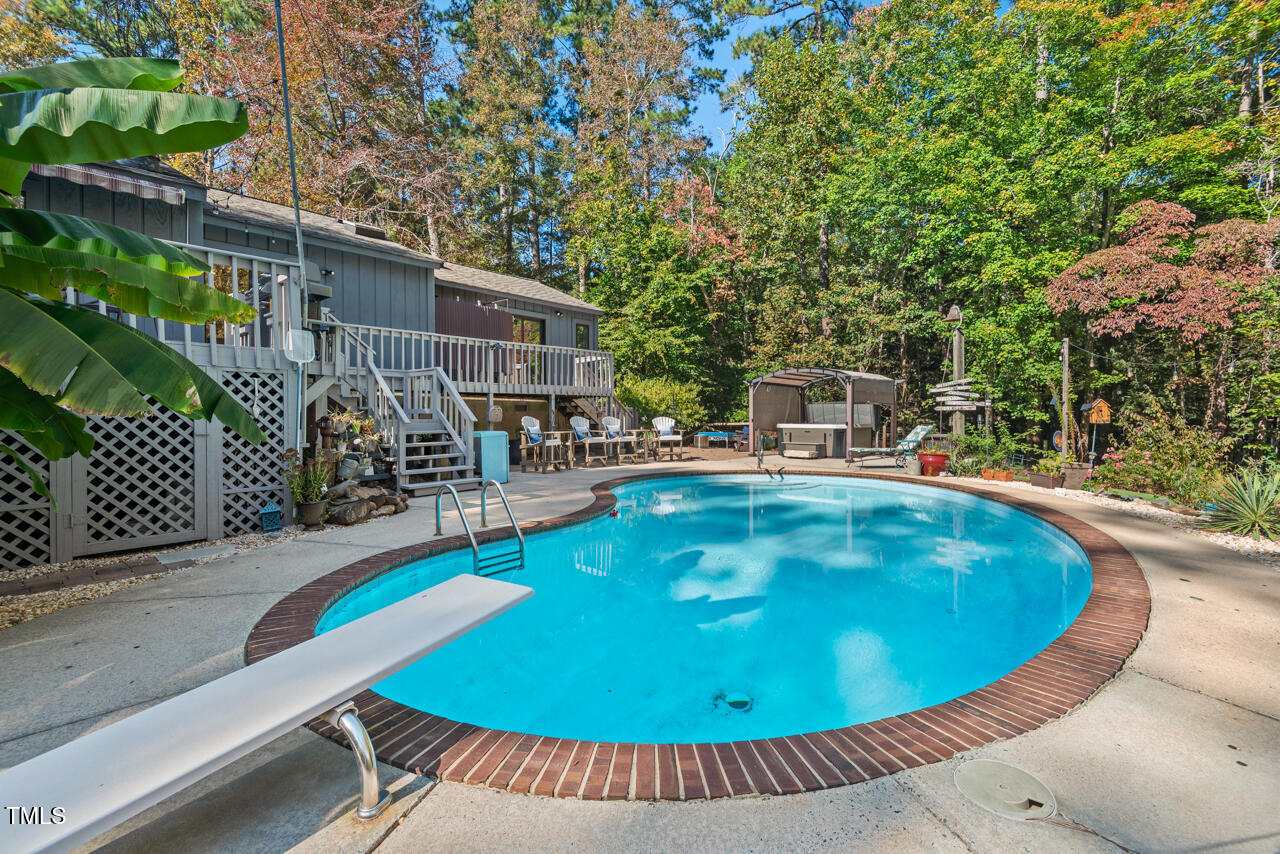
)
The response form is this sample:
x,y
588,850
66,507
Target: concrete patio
x,y
1178,753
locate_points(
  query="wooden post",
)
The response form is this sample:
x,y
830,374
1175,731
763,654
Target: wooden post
x,y
848,416
1066,402
752,436
957,373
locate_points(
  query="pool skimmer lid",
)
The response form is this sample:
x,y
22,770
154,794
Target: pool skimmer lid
x,y
739,701
1005,790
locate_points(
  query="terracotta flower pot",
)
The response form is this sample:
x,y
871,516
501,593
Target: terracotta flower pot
x,y
1004,476
988,474
313,513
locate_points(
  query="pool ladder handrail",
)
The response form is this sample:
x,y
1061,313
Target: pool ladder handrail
x,y
476,564
516,556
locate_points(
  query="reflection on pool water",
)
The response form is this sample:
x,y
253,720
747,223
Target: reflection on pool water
x,y
822,601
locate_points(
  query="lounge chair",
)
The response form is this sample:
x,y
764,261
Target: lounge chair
x,y
613,432
596,446
537,448
669,438
905,447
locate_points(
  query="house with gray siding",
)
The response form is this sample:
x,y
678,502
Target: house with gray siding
x,y
431,349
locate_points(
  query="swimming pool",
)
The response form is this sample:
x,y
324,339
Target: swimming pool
x,y
729,607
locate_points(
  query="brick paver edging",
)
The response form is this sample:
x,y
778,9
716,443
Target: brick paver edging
x,y
1065,674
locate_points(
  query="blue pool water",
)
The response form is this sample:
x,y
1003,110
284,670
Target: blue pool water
x,y
827,601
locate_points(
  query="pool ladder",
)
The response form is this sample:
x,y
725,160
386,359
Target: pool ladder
x,y
492,564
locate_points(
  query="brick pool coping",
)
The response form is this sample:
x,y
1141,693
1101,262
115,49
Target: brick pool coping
x,y
1065,674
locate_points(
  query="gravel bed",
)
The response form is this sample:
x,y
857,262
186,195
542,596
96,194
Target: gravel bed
x,y
19,609
1265,551
242,542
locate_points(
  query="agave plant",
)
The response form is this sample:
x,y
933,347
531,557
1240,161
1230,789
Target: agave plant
x,y
59,361
1249,503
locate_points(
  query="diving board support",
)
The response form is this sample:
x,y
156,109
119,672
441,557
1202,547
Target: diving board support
x,y
374,800
110,775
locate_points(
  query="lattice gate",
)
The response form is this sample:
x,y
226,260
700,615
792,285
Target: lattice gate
x,y
250,475
150,481
26,518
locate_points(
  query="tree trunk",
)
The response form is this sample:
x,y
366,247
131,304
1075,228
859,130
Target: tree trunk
x,y
535,235
508,241
824,253
582,278
433,233
1042,62
1215,417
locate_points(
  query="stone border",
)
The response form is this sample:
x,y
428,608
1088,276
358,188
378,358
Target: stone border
x,y
1062,676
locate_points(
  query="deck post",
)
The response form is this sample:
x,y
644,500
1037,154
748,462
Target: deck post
x,y
848,416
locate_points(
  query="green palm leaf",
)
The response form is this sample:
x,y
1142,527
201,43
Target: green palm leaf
x,y
53,431
53,360
64,231
157,75
134,288
37,482
154,368
84,125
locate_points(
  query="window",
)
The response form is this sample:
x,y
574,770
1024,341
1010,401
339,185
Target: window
x,y
582,336
528,330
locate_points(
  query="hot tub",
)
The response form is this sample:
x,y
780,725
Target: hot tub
x,y
812,441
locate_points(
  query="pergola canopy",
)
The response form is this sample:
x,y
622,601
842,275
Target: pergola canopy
x,y
865,388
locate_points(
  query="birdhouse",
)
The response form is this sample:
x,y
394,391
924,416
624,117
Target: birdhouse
x,y
270,516
1100,412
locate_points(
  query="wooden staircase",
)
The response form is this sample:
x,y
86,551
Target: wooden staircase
x,y
596,408
426,426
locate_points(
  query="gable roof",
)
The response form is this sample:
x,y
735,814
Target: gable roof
x,y
500,284
228,205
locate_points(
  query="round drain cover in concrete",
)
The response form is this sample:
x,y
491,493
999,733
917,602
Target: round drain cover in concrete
x,y
1005,790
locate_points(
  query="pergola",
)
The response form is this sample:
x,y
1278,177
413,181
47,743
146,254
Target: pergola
x,y
781,396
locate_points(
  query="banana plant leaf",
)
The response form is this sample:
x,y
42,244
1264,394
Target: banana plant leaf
x,y
85,125
133,288
53,360
37,482
27,276
64,231
138,365
155,75
54,431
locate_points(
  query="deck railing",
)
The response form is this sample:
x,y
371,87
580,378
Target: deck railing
x,y
479,365
254,280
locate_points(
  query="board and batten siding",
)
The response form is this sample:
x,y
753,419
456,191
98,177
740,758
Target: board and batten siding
x,y
560,329
367,290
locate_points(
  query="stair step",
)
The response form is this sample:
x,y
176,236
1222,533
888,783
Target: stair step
x,y
440,442
437,470
408,457
461,484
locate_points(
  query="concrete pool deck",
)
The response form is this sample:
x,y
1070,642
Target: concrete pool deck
x,y
1177,753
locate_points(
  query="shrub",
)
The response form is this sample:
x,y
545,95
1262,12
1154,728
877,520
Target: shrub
x,y
308,480
979,451
1248,504
1163,454
652,397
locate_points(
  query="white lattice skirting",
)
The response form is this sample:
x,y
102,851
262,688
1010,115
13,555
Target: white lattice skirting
x,y
150,481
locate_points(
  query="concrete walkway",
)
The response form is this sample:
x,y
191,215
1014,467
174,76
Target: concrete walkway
x,y
1181,752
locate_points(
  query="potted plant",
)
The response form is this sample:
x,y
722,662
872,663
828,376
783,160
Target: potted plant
x,y
1048,472
308,482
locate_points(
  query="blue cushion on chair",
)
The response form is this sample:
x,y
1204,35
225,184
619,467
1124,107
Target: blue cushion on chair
x,y
535,436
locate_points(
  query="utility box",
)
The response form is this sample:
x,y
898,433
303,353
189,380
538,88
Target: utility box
x,y
491,455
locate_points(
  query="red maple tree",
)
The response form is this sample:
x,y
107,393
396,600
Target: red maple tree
x,y
1165,274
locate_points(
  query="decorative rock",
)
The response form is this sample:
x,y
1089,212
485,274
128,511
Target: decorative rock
x,y
365,492
349,514
340,490
385,510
